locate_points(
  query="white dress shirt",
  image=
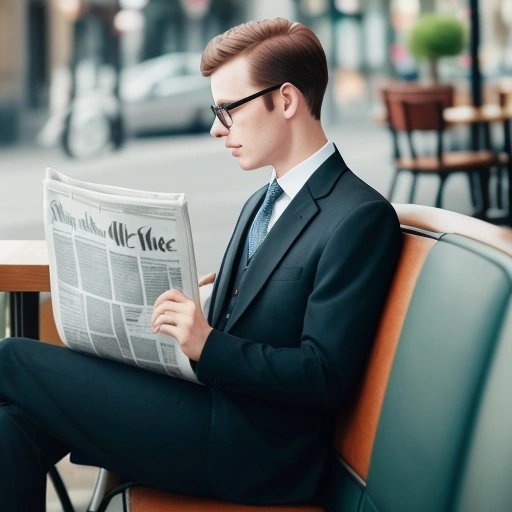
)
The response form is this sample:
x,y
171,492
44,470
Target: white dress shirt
x,y
295,178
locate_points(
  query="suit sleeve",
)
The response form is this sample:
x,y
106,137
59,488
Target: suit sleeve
x,y
352,278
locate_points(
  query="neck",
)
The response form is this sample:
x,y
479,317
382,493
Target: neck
x,y
305,139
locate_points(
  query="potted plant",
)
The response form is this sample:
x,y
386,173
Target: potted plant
x,y
434,36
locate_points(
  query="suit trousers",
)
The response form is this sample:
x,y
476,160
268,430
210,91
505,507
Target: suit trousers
x,y
146,427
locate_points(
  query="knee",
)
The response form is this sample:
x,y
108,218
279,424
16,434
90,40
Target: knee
x,y
8,346
12,354
11,349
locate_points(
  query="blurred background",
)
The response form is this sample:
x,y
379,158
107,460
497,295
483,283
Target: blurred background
x,y
55,51
110,91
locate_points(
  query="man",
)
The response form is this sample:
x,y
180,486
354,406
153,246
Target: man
x,y
294,310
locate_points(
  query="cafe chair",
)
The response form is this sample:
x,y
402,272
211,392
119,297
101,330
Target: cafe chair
x,y
419,110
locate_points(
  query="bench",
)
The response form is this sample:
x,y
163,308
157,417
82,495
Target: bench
x,y
431,429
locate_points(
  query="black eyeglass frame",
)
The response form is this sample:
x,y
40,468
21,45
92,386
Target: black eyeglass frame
x,y
221,112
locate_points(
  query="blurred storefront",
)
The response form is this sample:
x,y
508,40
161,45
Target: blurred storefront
x,y
366,42
23,62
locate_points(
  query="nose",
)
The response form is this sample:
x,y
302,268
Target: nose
x,y
218,130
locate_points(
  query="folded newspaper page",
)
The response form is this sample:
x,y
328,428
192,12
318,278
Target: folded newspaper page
x,y
112,252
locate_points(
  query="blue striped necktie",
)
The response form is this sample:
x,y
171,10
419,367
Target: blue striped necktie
x,y
259,226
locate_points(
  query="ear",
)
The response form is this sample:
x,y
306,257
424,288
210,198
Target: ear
x,y
290,97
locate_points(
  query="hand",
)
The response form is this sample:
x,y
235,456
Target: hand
x,y
178,316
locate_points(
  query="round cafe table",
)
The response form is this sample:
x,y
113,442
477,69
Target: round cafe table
x,y
467,114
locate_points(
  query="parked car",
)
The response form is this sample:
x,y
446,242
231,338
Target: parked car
x,y
165,94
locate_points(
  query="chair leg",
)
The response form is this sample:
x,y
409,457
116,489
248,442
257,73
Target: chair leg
x,y
483,177
120,490
500,176
507,192
61,490
412,192
105,482
474,188
439,195
393,185
475,191
480,180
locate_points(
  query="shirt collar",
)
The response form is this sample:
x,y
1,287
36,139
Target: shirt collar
x,y
296,177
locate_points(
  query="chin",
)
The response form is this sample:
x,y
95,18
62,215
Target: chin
x,y
247,166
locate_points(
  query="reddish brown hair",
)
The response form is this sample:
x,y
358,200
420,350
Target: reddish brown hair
x,y
279,51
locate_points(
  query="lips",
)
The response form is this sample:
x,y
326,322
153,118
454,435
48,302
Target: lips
x,y
235,150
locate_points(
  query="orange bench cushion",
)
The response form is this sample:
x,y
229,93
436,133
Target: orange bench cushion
x,y
144,499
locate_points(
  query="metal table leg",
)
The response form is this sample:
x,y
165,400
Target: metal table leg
x,y
25,314
508,150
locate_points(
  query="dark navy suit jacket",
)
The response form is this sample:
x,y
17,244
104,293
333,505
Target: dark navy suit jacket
x,y
300,331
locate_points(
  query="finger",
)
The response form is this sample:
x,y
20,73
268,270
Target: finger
x,y
166,318
172,295
170,320
165,307
161,311
207,279
167,295
171,306
169,330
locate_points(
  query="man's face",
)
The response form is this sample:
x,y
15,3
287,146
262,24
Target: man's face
x,y
254,138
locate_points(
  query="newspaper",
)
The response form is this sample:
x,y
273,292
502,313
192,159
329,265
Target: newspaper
x,y
112,252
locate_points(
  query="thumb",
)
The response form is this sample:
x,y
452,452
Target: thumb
x,y
207,279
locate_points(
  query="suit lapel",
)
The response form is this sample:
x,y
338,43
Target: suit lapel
x,y
236,243
267,257
283,234
293,221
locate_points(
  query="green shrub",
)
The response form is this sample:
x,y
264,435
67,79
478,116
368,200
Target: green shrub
x,y
436,35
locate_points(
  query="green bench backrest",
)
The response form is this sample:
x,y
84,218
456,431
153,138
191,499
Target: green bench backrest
x,y
444,438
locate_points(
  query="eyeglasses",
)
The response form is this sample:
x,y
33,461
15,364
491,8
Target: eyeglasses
x,y
222,111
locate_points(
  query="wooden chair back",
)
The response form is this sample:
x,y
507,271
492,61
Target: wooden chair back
x,y
417,108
